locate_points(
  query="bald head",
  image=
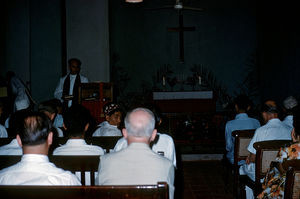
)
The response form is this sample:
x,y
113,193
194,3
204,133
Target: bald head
x,y
140,123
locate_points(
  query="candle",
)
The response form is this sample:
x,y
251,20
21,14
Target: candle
x,y
199,78
164,80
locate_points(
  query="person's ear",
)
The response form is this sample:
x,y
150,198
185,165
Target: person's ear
x,y
50,138
107,118
125,134
19,140
153,135
86,127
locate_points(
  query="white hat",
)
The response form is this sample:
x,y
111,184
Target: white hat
x,y
290,102
21,104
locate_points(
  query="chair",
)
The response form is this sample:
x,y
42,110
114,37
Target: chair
x,y
78,163
242,140
9,160
266,152
158,191
292,181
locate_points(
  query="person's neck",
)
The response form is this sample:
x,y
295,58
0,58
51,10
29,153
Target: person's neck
x,y
132,139
40,149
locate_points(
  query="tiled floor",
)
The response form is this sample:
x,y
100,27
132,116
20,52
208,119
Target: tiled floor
x,y
201,179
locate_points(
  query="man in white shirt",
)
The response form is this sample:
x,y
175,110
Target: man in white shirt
x,y
274,129
67,88
35,137
137,164
112,114
76,123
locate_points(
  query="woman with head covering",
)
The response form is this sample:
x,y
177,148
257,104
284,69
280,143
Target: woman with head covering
x,y
274,182
113,114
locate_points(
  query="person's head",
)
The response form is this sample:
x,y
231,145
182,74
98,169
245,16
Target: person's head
x,y
290,104
269,110
139,126
112,113
76,121
74,66
34,133
48,109
296,124
57,103
242,104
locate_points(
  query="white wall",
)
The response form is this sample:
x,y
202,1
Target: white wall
x,y
88,37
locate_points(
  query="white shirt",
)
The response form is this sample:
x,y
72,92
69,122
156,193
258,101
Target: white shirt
x,y
288,120
164,144
13,148
59,132
58,121
3,132
78,147
59,88
107,130
35,169
19,90
274,129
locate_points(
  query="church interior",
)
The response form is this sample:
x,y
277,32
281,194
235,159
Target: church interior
x,y
188,58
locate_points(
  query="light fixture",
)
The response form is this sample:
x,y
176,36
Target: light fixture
x,y
133,1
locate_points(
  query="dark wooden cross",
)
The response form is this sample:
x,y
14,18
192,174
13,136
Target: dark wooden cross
x,y
181,29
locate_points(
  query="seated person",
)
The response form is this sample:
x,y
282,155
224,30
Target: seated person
x,y
112,113
76,123
163,143
241,122
58,120
13,148
137,164
35,137
290,105
274,182
49,109
274,129
3,132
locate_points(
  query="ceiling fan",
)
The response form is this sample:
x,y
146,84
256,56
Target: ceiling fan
x,y
177,6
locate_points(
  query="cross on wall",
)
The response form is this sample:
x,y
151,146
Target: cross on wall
x,y
181,30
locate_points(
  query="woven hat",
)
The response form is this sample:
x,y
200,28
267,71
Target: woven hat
x,y
290,102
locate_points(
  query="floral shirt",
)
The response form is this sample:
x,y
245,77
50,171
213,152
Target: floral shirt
x,y
274,182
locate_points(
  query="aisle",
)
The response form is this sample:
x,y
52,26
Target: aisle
x,y
203,180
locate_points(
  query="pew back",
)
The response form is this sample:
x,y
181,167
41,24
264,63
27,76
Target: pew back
x,y
159,191
292,183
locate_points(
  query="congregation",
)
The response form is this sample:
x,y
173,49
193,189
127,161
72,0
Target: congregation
x,y
142,155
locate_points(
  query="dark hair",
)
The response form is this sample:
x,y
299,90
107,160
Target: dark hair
x,y
296,121
243,102
268,108
55,102
34,128
47,106
76,60
75,119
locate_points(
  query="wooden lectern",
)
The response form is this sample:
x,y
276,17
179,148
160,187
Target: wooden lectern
x,y
94,96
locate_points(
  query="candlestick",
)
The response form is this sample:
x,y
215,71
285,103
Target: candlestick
x,y
199,78
164,81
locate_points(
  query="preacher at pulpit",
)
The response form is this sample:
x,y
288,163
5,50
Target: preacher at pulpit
x,y
67,88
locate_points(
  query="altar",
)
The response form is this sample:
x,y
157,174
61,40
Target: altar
x,y
185,101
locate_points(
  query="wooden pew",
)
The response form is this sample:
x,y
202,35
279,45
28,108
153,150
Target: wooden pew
x,y
78,163
158,191
241,142
9,160
292,181
266,152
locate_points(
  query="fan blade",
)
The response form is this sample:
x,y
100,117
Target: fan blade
x,y
160,8
192,8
